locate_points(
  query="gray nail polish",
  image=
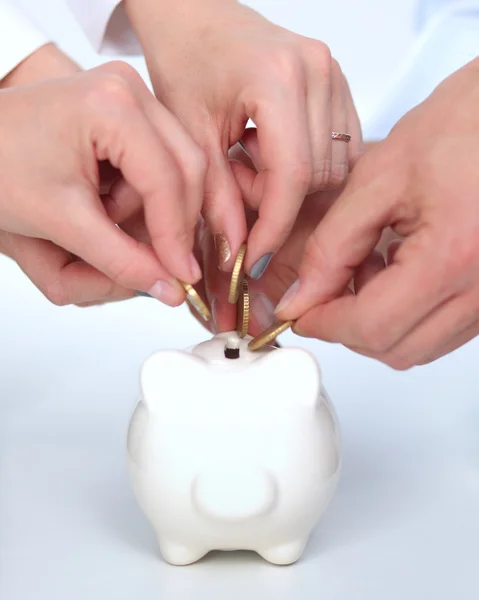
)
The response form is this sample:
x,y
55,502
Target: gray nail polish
x,y
145,294
260,266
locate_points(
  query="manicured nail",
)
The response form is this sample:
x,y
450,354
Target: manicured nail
x,y
288,296
260,266
195,268
262,310
164,292
223,251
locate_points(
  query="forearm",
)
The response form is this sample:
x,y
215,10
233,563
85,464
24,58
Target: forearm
x,y
47,62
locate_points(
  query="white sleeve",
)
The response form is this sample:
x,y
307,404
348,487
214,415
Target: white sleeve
x,y
19,37
106,26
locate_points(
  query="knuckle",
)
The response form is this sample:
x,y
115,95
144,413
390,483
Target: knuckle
x,y
122,69
462,252
329,176
171,234
195,166
110,91
285,66
302,174
319,53
338,176
321,175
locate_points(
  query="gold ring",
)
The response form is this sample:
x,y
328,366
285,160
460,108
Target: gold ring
x,y
342,137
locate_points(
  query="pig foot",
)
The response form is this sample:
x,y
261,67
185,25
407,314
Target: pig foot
x,y
177,554
284,554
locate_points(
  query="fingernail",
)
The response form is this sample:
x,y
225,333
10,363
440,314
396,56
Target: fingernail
x,y
262,310
288,296
260,266
223,251
195,267
164,292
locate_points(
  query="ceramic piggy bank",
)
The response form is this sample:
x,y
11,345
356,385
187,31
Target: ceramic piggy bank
x,y
232,449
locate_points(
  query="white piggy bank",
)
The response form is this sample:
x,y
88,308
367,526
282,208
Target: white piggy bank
x,y
233,453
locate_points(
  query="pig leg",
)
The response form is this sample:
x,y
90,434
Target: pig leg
x,y
177,554
284,554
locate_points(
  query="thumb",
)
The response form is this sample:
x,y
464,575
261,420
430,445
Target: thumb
x,y
96,239
340,243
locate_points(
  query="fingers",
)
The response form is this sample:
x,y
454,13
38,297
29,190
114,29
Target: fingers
x,y
190,158
445,328
373,265
285,178
335,169
452,344
209,181
356,145
129,138
342,241
121,258
386,309
325,107
63,282
216,287
223,209
122,201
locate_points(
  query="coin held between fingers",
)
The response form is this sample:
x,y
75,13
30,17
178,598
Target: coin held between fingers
x,y
237,276
196,301
243,310
269,335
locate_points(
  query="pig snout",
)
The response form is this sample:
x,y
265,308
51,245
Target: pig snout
x,y
234,493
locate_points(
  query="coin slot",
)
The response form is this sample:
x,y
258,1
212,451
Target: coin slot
x,y
232,348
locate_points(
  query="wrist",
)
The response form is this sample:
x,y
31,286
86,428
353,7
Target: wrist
x,y
175,23
47,62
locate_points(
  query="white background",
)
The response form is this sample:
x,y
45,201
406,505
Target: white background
x,y
404,523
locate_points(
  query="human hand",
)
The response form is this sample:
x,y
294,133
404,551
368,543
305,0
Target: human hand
x,y
62,277
216,64
266,292
60,132
421,181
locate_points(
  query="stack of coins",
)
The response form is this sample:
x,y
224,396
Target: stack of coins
x,y
239,295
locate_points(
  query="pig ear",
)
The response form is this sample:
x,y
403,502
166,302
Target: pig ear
x,y
294,374
165,374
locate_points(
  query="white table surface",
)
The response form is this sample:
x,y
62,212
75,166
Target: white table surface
x,y
404,522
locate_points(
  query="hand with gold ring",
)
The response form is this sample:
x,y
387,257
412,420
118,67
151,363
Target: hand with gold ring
x,y
218,63
422,180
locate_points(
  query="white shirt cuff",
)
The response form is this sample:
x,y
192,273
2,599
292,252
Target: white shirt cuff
x,y
106,26
19,38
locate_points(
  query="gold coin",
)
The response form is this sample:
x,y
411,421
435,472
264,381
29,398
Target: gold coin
x,y
243,310
237,276
269,335
196,302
